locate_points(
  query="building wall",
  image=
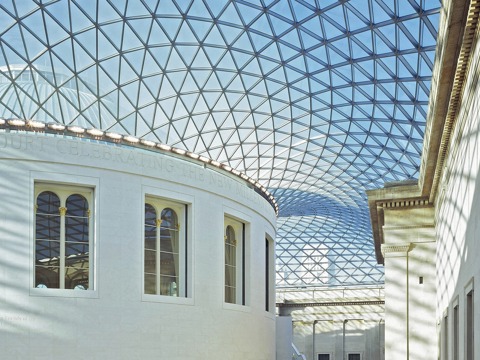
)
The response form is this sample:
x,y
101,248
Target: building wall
x,y
409,252
115,320
458,221
336,321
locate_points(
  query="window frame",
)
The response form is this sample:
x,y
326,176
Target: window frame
x,y
455,329
186,202
323,354
160,204
238,227
359,353
241,224
269,287
71,184
445,335
469,323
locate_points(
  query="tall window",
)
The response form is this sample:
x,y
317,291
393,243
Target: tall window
x,y
165,248
234,261
445,337
267,275
470,340
63,237
455,333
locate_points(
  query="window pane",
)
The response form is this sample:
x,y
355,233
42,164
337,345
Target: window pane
x,y
150,237
230,278
168,263
48,203
47,227
169,253
47,240
169,219
168,285
46,251
76,229
230,255
76,219
76,249
77,274
230,295
77,205
150,253
47,276
150,261
230,265
150,284
353,356
150,215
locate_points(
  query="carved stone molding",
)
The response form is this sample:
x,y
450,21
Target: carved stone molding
x,y
395,250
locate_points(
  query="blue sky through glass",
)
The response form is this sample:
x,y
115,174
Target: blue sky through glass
x,y
317,100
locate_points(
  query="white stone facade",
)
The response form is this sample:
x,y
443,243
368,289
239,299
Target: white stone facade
x,y
458,218
114,319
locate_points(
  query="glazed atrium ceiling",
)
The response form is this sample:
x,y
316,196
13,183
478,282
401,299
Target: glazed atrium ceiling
x,y
317,100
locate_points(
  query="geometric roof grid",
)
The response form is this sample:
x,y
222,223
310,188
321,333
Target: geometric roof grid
x,y
316,100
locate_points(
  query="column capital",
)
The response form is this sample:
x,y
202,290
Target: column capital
x,y
395,250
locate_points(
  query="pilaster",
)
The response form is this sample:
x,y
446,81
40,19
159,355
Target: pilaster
x,y
396,300
405,235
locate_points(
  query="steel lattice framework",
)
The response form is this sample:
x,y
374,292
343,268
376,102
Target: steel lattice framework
x,y
317,100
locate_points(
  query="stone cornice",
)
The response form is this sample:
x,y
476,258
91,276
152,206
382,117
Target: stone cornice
x,y
395,250
442,128
449,44
399,197
454,46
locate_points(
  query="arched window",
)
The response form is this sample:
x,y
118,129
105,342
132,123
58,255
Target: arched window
x,y
76,242
169,255
47,240
150,265
62,238
234,261
164,249
230,265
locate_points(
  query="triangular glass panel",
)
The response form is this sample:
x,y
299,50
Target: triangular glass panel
x,y
230,15
186,35
170,26
248,13
214,54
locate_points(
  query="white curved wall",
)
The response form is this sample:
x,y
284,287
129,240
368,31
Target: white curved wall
x,y
115,320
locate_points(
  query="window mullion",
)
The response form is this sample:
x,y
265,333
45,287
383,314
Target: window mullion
x,y
63,212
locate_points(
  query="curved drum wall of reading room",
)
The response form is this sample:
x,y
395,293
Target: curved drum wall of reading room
x,y
112,251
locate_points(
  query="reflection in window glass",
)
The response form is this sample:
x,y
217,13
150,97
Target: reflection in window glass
x,y
234,251
150,265
169,256
47,240
164,249
230,266
62,239
76,242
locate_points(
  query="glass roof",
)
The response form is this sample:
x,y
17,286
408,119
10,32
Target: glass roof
x,y
317,100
